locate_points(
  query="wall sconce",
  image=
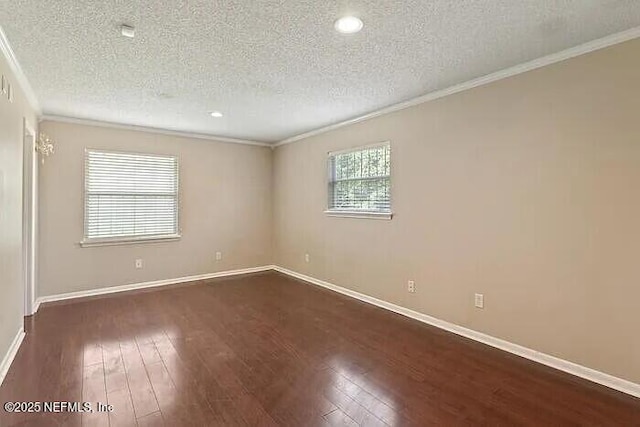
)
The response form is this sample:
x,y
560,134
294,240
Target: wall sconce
x,y
44,146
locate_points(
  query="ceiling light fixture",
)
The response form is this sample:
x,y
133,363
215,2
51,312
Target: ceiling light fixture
x,y
216,114
348,25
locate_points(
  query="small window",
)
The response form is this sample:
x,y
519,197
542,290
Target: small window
x,y
130,197
359,182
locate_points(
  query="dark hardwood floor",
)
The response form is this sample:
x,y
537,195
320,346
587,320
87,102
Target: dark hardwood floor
x,y
269,350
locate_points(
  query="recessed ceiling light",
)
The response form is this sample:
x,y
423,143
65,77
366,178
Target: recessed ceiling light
x,y
216,114
348,25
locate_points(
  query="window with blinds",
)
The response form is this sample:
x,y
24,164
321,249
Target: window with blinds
x,y
359,180
130,197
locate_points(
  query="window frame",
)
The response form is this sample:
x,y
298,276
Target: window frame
x,y
131,239
358,213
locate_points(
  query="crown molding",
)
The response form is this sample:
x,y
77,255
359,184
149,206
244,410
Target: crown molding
x,y
480,81
99,123
585,48
14,65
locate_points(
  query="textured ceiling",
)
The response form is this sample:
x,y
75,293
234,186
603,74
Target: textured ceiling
x,y
276,68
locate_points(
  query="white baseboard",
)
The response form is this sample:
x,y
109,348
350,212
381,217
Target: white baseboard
x,y
11,354
607,380
142,285
593,375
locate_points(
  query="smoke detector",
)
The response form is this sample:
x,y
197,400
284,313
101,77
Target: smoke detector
x,y
128,31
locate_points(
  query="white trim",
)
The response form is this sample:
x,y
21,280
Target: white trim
x,y
386,143
553,58
598,377
29,215
15,67
11,354
87,242
358,214
480,81
183,134
117,241
354,213
153,284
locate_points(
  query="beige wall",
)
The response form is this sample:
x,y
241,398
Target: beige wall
x,y
12,117
225,192
526,190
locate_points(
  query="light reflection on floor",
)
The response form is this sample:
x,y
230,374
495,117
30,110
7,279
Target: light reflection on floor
x,y
349,380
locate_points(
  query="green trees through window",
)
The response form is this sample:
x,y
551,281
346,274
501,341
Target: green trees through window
x,y
359,180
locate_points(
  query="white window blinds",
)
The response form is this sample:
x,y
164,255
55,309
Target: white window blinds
x,y
130,196
359,180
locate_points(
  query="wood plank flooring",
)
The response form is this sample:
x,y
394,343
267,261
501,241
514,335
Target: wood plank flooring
x,y
268,350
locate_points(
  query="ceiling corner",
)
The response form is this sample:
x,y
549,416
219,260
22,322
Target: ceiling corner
x,y
14,65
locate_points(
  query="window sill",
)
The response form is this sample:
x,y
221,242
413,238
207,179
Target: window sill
x,y
88,243
359,214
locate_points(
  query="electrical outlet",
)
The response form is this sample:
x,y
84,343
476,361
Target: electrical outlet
x,y
479,300
138,263
306,257
218,256
411,286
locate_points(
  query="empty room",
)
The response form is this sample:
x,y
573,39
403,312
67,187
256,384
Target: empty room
x,y
318,213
